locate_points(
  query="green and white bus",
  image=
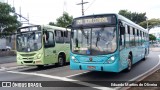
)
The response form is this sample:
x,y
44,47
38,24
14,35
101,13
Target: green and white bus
x,y
40,45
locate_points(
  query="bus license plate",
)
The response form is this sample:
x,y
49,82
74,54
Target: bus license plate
x,y
91,67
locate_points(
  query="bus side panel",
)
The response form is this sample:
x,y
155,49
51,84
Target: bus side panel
x,y
134,54
49,56
67,51
123,58
63,48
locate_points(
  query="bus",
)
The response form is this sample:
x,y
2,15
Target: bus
x,y
39,45
106,42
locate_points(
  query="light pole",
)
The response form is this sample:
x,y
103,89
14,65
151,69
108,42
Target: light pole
x,y
82,3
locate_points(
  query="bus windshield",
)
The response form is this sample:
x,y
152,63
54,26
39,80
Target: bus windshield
x,y
94,41
30,41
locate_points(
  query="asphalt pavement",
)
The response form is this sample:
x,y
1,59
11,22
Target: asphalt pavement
x,y
7,59
87,79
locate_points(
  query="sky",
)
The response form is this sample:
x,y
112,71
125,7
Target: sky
x,y
45,11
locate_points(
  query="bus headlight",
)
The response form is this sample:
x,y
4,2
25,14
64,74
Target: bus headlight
x,y
39,55
74,59
111,60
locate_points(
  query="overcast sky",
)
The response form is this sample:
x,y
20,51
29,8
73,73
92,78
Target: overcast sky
x,y
44,11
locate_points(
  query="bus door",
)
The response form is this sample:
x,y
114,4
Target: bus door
x,y
123,50
49,50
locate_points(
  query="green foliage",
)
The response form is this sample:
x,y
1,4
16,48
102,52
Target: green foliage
x,y
151,23
63,20
140,18
52,23
133,16
152,37
8,20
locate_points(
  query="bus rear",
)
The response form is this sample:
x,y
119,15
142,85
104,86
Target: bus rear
x,y
94,43
29,45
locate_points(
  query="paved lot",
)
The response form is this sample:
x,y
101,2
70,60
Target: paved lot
x,y
7,59
51,73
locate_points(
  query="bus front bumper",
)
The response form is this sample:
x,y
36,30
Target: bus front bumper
x,y
29,63
95,67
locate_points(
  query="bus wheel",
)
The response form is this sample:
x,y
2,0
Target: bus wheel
x,y
145,55
40,66
129,63
60,61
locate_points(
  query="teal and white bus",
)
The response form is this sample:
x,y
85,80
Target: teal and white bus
x,y
107,42
41,45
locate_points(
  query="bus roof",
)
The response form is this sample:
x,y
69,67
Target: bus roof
x,y
56,27
129,22
49,27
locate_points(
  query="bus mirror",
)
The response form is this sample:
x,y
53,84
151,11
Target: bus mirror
x,y
122,30
120,42
76,40
47,36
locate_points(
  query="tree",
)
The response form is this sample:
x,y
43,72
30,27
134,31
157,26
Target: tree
x,y
63,20
52,23
152,37
140,18
8,19
133,16
151,23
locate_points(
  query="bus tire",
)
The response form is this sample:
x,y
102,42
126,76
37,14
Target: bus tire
x,y
129,63
145,55
61,61
40,66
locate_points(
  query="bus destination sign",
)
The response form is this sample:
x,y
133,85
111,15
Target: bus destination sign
x,y
27,29
95,20
92,20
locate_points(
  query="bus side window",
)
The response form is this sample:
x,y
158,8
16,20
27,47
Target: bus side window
x,y
121,37
140,37
132,39
127,36
65,33
55,33
137,40
67,37
59,36
48,39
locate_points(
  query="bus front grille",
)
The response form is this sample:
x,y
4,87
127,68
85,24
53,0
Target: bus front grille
x,y
28,58
28,61
27,55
